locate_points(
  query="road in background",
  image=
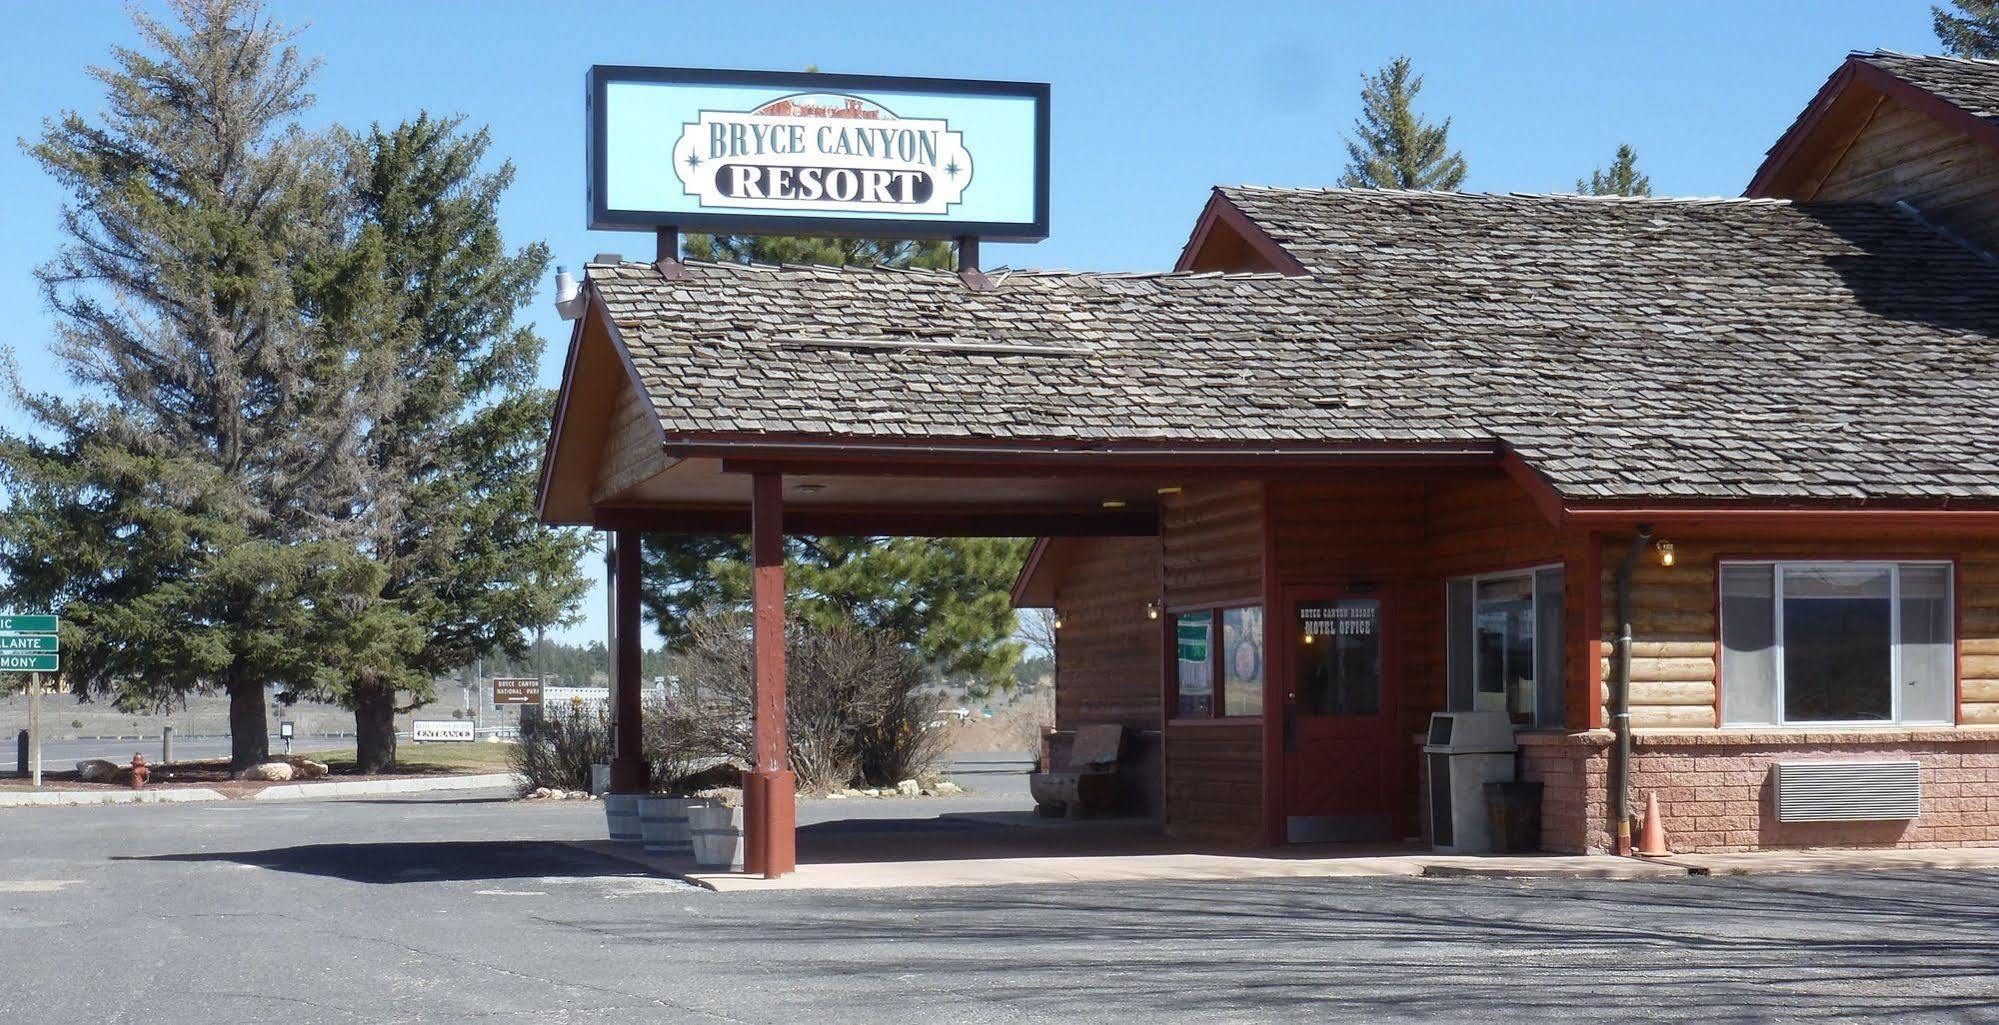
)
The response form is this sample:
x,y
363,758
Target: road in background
x,y
62,755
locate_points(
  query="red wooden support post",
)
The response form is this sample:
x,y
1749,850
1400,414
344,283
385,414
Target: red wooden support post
x,y
628,766
770,810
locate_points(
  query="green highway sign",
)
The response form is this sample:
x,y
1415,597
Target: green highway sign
x,y
29,663
27,624
16,643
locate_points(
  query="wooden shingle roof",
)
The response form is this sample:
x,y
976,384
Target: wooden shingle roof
x,y
1626,349
1970,85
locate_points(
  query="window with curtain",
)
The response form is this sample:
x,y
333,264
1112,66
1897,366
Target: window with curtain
x,y
1504,645
1836,642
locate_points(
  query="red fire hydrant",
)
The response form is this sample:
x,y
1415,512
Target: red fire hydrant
x,y
139,770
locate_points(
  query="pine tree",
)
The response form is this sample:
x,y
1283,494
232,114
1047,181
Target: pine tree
x,y
1972,32
464,566
1623,178
1393,148
187,505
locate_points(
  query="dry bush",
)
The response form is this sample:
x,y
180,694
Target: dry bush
x,y
854,701
557,749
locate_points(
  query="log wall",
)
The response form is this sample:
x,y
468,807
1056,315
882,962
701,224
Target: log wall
x,y
1675,634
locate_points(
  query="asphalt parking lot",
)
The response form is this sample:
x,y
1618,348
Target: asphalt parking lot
x,y
468,908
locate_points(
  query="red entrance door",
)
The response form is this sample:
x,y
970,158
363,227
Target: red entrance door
x,y
1342,758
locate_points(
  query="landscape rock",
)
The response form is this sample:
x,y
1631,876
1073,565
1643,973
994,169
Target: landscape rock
x,y
306,768
268,772
948,787
909,788
836,796
96,770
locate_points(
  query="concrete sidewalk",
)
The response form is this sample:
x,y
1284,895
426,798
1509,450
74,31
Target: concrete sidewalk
x,y
1134,868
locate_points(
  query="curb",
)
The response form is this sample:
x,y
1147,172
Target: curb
x,y
360,788
65,798
1623,869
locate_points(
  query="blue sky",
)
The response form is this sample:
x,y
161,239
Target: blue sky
x,y
1152,103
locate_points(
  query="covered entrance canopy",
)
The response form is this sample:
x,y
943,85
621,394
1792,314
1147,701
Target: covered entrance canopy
x,y
1612,360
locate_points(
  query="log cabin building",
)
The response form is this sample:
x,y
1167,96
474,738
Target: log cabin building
x,y
1364,456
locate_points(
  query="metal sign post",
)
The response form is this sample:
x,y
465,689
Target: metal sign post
x,y
35,729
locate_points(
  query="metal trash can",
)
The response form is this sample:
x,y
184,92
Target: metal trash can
x,y
1466,750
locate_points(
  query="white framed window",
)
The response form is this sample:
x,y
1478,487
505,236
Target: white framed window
x,y
1824,643
1503,649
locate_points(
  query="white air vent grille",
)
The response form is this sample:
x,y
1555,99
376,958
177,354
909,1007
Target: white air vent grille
x,y
1848,791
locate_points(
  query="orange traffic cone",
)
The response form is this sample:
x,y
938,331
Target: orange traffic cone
x,y
1652,839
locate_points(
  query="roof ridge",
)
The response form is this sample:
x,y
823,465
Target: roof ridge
x,y
1476,196
1953,58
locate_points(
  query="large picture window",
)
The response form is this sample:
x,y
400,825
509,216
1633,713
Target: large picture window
x,y
1219,644
1504,644
1836,642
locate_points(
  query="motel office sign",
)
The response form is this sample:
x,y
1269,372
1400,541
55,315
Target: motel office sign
x,y
771,153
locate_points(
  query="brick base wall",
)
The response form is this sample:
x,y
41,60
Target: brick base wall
x,y
1718,792
1574,771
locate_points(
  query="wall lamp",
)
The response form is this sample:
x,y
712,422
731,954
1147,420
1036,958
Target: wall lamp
x,y
1665,552
1152,609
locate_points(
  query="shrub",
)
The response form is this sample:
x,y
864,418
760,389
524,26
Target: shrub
x,y
558,748
854,702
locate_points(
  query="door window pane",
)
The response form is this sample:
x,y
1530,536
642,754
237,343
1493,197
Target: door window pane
x,y
1458,644
1338,646
1242,660
1503,646
1550,656
1837,643
1929,677
1194,632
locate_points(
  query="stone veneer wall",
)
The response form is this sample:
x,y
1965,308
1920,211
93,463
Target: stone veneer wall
x,y
1718,791
1574,770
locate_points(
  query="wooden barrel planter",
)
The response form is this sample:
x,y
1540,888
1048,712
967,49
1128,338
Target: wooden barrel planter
x,y
716,833
663,825
621,815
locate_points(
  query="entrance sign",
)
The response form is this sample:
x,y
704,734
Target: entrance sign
x,y
780,153
427,730
516,690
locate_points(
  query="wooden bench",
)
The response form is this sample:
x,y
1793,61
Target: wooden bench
x,y
1088,785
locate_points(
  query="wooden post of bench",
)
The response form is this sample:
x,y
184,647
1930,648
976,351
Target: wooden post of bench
x,y
770,810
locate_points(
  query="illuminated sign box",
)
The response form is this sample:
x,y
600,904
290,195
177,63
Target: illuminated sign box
x,y
779,153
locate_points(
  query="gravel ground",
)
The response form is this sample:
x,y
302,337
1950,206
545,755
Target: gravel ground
x,y
468,908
